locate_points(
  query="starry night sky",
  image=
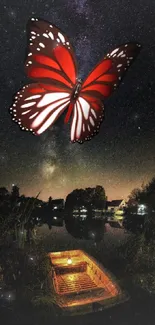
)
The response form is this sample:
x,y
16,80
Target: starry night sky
x,y
121,157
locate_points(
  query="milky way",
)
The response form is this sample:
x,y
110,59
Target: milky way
x,y
122,156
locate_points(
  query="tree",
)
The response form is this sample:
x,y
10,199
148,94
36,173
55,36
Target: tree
x,y
134,196
3,192
50,201
88,197
99,197
15,193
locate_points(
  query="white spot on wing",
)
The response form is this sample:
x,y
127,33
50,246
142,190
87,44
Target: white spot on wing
x,y
61,37
42,45
33,115
51,35
114,51
122,52
23,113
28,104
45,35
33,97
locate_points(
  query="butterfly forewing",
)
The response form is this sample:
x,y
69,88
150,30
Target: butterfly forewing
x,y
50,55
106,76
38,106
122,58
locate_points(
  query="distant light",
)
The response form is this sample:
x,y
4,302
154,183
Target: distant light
x,y
10,296
31,258
55,218
22,232
141,209
92,234
69,261
83,210
55,208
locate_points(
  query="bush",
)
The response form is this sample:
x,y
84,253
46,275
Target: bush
x,y
140,256
25,270
146,281
140,261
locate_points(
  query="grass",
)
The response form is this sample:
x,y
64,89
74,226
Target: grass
x,y
140,262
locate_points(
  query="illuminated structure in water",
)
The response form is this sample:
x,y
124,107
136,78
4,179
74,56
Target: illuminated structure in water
x,y
83,212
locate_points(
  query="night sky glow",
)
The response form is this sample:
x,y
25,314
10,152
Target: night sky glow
x,y
121,157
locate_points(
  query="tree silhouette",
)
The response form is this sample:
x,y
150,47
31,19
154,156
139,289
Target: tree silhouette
x,y
14,194
3,192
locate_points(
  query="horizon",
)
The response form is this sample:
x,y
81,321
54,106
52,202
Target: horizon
x,y
44,195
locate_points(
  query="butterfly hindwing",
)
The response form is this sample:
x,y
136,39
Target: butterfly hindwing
x,y
87,117
37,106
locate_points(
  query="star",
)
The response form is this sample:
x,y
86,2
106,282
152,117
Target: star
x,y
12,13
136,117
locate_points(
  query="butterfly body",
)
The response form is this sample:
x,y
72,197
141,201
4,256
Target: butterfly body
x,y
77,89
51,63
74,97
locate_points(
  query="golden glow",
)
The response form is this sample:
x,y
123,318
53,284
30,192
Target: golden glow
x,y
79,280
69,261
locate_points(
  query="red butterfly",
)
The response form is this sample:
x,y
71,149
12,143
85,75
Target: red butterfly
x,y
51,62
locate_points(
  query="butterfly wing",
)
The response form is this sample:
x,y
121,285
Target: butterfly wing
x,y
107,75
37,106
50,55
50,62
99,84
87,118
